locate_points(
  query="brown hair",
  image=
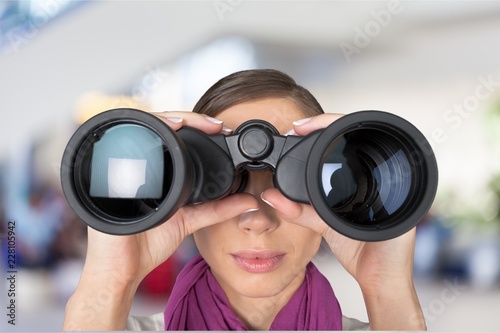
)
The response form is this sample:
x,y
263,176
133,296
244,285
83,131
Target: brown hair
x,y
249,85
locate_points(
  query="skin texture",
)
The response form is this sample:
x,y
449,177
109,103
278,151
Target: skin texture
x,y
260,218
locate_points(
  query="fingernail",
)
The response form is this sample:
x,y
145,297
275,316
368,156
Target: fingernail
x,y
213,120
174,119
301,121
226,129
250,210
290,132
267,202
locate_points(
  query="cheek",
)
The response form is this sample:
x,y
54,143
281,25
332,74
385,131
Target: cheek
x,y
203,239
306,242
210,240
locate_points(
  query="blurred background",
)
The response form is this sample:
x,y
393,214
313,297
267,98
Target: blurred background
x,y
435,63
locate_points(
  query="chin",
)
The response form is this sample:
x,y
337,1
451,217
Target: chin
x,y
257,285
262,289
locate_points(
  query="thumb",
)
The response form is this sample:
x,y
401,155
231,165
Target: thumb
x,y
294,212
205,214
307,125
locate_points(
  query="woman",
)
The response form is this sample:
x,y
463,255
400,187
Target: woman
x,y
254,269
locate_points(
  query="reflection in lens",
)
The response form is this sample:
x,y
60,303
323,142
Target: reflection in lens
x,y
129,172
393,188
366,177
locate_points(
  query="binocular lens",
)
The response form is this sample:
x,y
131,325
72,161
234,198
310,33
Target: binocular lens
x,y
372,176
125,172
366,178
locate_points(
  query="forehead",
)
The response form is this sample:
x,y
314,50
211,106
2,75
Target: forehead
x,y
280,112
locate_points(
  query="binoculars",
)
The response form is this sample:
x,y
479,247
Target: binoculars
x,y
369,175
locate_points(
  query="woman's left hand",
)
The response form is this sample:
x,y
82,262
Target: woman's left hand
x,y
384,270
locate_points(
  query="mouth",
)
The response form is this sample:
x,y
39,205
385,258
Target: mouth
x,y
254,261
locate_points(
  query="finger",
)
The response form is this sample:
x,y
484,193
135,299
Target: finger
x,y
308,125
174,123
204,123
294,212
226,130
202,215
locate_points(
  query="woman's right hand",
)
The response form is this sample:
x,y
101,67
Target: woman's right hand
x,y
115,265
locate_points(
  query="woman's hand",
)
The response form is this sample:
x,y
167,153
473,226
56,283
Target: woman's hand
x,y
382,269
115,265
134,256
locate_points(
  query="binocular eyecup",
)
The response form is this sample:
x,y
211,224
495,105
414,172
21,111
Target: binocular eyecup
x,y
369,175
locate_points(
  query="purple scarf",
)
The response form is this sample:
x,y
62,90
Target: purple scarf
x,y
197,302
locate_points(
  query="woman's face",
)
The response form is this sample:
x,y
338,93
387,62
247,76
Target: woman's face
x,y
258,254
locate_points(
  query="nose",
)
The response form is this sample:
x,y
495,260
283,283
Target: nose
x,y
264,219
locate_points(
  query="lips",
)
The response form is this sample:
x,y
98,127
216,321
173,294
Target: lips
x,y
254,261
